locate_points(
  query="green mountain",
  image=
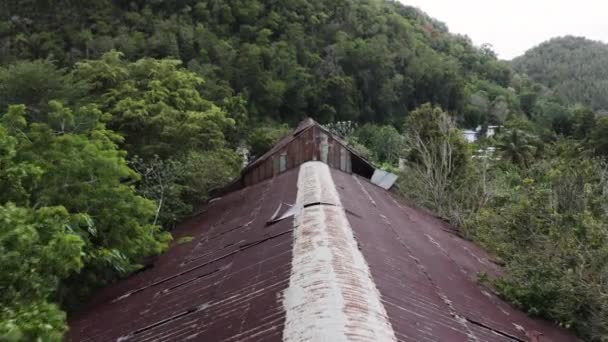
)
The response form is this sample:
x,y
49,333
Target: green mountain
x,y
576,68
366,61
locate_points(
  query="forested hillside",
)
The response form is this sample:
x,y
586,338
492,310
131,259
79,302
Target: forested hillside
x,y
118,118
575,67
343,60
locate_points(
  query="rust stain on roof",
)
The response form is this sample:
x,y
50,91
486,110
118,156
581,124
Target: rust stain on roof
x,y
428,276
224,285
386,263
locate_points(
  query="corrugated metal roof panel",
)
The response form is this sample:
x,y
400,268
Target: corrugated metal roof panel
x,y
228,283
224,285
428,276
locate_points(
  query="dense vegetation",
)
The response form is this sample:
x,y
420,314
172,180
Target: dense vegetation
x,y
369,61
574,67
119,117
539,205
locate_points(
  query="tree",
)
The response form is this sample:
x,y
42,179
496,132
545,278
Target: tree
x,y
384,142
71,162
584,122
285,60
599,137
573,67
438,159
158,107
179,185
547,224
35,83
155,105
517,147
239,74
38,249
262,138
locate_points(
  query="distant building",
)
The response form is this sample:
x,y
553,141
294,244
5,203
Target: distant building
x,y
470,135
485,153
492,131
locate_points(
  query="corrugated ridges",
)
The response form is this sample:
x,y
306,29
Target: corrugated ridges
x,y
331,295
427,276
229,283
224,285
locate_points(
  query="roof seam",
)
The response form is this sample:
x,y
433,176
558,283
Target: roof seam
x,y
497,331
240,249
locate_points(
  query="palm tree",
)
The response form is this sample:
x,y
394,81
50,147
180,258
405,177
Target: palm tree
x,y
517,147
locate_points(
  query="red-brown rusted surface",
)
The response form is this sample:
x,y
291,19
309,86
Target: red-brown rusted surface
x,y
224,285
229,282
427,275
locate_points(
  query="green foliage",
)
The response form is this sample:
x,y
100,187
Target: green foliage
x,y
488,104
542,215
583,122
431,126
208,171
155,105
172,133
262,138
517,147
63,173
384,143
162,181
364,60
35,321
38,248
548,225
599,137
438,160
184,239
36,83
75,215
69,207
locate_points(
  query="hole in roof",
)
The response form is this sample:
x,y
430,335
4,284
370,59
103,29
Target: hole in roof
x,y
312,204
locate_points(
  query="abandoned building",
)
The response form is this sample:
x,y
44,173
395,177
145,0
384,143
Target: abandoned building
x,y
304,246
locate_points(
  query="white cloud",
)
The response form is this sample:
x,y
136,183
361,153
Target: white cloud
x,y
514,26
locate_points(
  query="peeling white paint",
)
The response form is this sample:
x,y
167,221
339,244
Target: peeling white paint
x,y
331,294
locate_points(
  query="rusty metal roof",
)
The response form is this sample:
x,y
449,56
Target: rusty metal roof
x,y
221,286
345,260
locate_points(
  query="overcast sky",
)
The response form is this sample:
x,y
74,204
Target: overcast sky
x,y
514,26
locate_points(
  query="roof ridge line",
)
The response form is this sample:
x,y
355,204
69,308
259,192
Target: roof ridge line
x,y
331,295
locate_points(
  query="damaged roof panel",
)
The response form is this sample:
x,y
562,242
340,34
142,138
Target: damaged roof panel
x,y
384,179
